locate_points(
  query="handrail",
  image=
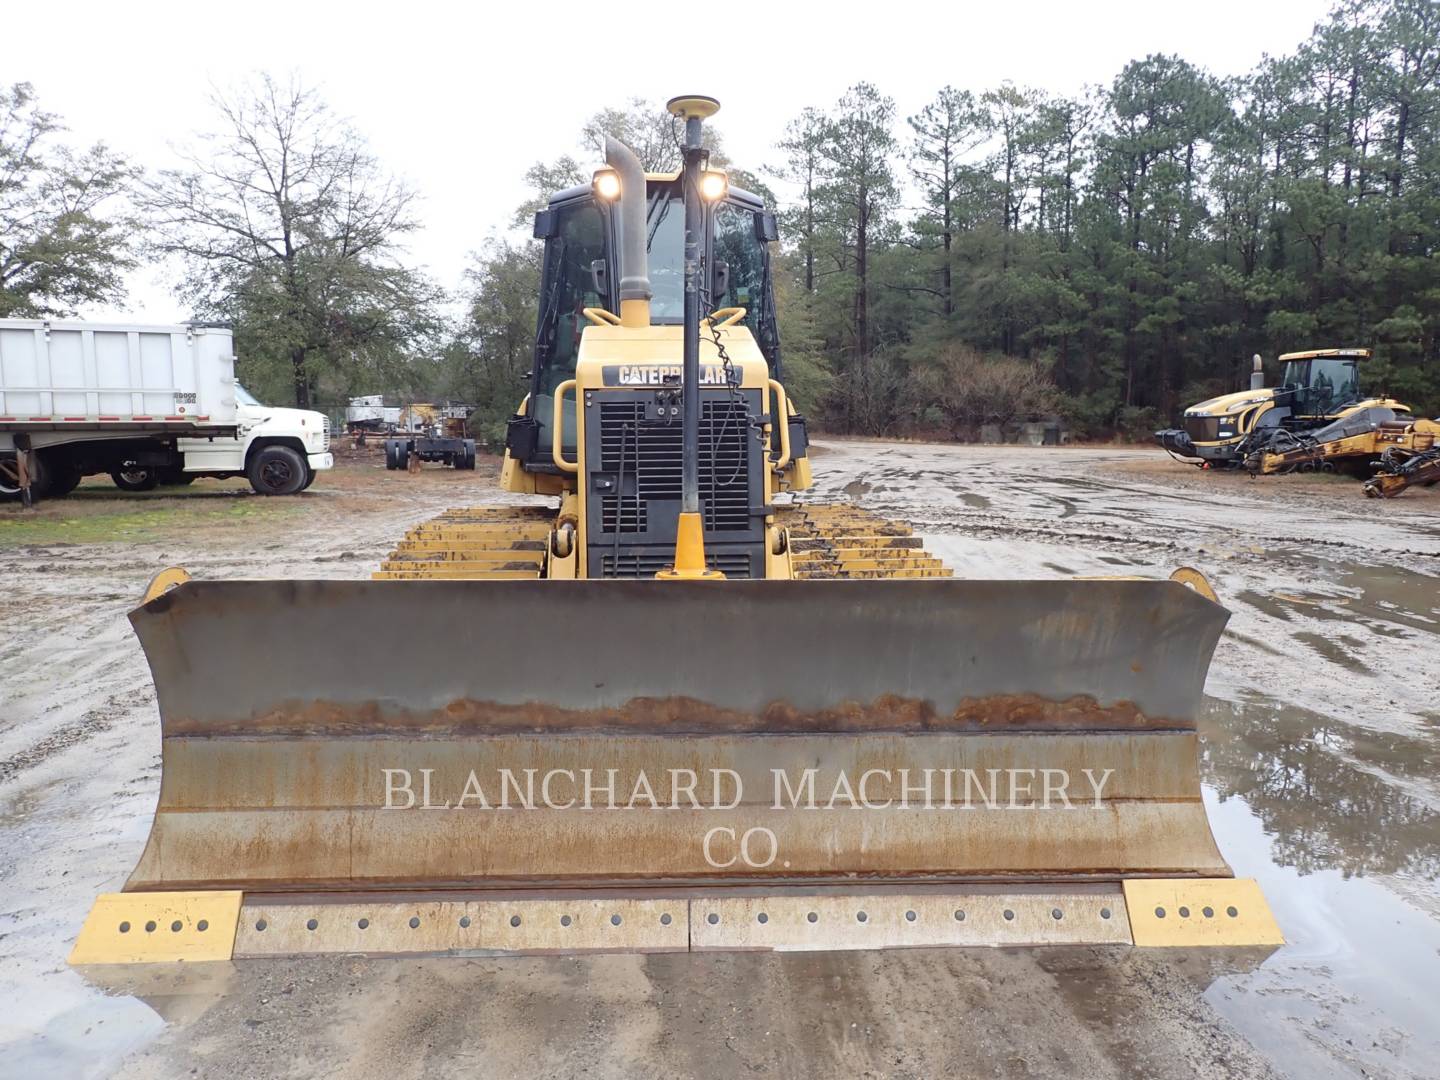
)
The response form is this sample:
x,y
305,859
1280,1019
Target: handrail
x,y
732,316
600,317
557,433
783,409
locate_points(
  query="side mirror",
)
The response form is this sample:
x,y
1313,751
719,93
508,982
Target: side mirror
x,y
720,279
766,230
546,225
600,278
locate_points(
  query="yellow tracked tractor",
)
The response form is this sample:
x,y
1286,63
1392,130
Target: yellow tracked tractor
x,y
693,743
1317,388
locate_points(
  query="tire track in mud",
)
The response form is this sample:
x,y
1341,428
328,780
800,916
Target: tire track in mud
x,y
75,733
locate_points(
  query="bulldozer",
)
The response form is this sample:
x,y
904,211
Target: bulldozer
x,y
656,701
1317,388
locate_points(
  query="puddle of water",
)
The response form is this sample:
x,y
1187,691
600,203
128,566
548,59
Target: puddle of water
x,y
66,840
1352,991
1332,795
1341,826
62,1027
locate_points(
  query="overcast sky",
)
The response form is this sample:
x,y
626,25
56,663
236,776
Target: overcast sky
x,y
461,99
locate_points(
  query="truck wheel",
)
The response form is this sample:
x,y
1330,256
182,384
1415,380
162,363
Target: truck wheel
x,y
392,454
39,477
9,478
63,476
309,477
135,478
277,470
467,455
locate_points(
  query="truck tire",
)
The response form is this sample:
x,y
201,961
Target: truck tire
x,y
392,454
135,478
9,478
62,476
466,460
176,478
309,477
277,470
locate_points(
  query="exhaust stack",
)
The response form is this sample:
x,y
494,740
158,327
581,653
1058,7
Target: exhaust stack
x,y
635,290
1257,374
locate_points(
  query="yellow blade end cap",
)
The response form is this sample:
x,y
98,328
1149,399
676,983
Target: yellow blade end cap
x,y
158,928
1199,911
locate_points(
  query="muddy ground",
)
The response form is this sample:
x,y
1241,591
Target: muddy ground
x,y
1322,770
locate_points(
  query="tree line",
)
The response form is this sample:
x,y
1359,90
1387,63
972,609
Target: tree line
x,y
1001,253
1134,245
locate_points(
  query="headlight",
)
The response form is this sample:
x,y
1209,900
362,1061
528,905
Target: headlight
x,y
607,184
713,186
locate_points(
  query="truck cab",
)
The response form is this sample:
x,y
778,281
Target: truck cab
x,y
262,433
1320,383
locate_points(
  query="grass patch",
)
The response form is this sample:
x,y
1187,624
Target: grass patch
x,y
93,521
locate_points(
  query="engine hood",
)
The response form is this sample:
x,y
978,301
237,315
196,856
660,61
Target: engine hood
x,y
1226,404
299,420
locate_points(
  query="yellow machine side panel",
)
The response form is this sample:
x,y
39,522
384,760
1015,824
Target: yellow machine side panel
x,y
513,477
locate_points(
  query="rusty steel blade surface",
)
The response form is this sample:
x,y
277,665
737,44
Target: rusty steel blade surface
x,y
337,735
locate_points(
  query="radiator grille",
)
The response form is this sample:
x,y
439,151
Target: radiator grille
x,y
645,456
325,442
733,564
1202,428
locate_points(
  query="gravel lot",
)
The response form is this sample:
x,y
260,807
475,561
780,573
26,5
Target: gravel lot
x,y
1322,770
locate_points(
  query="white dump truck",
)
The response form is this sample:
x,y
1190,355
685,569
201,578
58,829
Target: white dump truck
x,y
147,405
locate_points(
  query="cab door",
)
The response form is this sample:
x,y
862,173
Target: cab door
x,y
576,244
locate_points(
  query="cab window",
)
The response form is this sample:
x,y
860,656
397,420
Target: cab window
x,y
1334,382
737,246
665,229
1322,384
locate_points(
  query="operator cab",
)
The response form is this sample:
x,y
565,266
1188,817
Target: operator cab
x,y
581,270
1321,382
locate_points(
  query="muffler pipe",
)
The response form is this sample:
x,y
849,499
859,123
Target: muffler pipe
x,y
634,263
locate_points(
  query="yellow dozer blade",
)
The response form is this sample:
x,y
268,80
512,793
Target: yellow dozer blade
x,y
523,766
